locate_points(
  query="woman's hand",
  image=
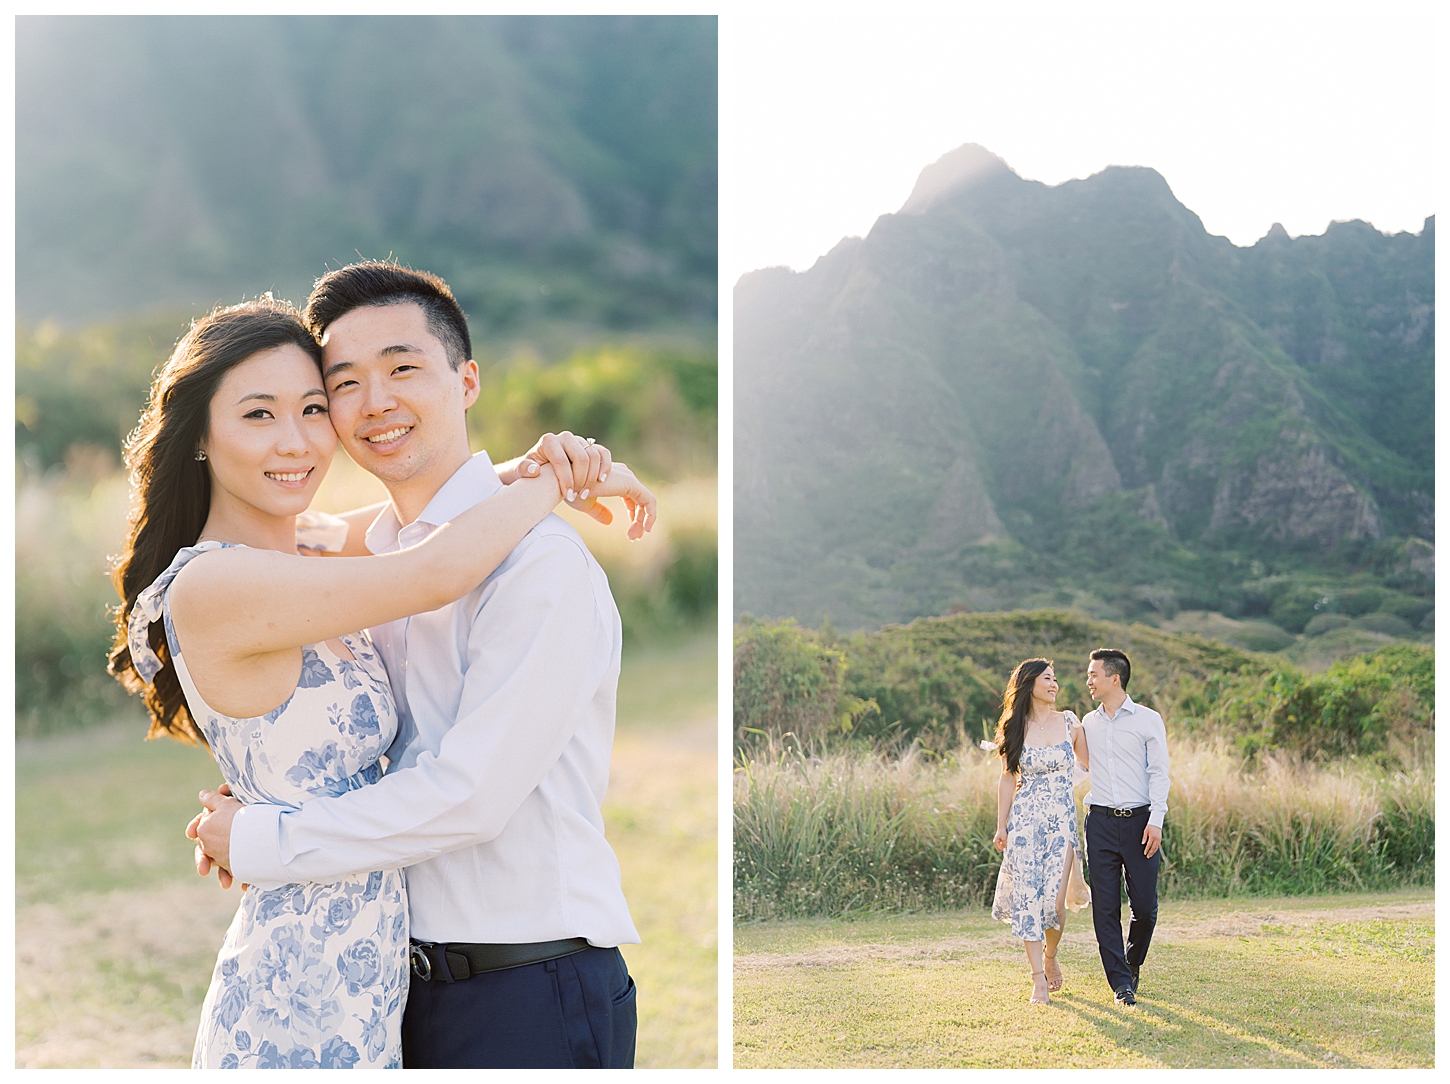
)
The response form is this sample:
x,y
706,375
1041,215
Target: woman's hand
x,y
638,501
1000,839
579,463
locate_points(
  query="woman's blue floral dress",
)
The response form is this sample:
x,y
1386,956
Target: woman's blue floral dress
x,y
1040,828
310,975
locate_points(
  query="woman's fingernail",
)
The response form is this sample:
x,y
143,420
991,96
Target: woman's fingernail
x,y
569,495
583,494
604,476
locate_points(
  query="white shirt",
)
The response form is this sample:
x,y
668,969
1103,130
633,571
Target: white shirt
x,y
505,725
1128,759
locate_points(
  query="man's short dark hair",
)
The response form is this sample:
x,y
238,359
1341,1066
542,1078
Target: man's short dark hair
x,y
381,282
1114,662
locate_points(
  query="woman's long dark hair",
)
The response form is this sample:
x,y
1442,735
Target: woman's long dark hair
x,y
171,489
1016,706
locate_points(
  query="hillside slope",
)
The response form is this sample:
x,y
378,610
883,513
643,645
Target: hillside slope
x,y
1050,391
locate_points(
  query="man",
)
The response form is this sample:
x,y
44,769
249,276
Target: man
x,y
1127,800
506,720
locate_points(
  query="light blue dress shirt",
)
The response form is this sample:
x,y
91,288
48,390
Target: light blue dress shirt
x,y
506,723
1128,759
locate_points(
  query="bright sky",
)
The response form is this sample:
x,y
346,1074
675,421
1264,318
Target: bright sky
x,y
1254,113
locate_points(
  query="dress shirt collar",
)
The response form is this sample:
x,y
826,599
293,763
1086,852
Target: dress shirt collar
x,y
1126,708
471,483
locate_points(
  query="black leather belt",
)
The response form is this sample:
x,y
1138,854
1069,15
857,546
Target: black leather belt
x,y
1121,811
454,961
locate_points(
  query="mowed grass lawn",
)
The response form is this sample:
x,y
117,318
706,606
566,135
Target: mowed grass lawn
x,y
1327,981
116,935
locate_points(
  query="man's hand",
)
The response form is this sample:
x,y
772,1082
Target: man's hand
x,y
1152,840
212,831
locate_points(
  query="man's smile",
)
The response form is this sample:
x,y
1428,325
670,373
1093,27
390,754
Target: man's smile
x,y
391,436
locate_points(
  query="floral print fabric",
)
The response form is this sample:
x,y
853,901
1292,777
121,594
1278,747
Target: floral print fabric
x,y
309,975
1040,828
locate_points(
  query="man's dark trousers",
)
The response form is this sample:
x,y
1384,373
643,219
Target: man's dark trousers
x,y
576,1012
1115,852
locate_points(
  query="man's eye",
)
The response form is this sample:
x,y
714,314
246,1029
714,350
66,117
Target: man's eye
x,y
404,369
344,384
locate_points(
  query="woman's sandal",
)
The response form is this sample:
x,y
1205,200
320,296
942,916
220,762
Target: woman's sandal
x,y
1034,999
1053,984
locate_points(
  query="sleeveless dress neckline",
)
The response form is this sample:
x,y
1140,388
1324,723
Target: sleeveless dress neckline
x,y
309,975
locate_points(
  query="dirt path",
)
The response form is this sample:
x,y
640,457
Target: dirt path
x,y
1188,923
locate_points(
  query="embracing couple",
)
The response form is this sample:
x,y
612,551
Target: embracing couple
x,y
1124,749
424,685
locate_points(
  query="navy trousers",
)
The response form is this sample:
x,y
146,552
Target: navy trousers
x,y
576,1012
1115,854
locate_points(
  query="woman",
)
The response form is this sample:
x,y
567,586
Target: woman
x,y
275,679
1037,819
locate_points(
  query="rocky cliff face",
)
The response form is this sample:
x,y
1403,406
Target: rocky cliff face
x,y
1000,358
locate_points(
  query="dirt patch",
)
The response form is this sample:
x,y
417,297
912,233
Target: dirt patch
x,y
116,980
1190,927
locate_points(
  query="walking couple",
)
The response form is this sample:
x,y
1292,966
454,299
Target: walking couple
x,y
435,697
1123,747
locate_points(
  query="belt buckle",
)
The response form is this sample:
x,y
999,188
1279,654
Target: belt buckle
x,y
424,972
1122,811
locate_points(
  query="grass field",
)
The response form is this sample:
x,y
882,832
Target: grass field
x,y
116,935
1327,981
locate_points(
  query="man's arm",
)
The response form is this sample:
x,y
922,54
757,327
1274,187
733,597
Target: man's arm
x,y
1156,756
535,659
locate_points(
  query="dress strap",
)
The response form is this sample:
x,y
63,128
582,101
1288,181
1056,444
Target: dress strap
x,y
148,609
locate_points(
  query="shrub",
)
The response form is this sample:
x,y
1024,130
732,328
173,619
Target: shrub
x,y
1319,624
1388,624
789,683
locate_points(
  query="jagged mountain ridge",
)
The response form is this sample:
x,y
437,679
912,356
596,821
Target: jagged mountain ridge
x,y
1001,357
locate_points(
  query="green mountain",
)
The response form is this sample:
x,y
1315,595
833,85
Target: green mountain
x,y
552,169
1012,394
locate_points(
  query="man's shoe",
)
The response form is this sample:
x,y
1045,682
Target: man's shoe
x,y
1134,969
1125,996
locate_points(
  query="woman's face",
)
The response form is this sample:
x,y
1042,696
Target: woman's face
x,y
269,440
1045,687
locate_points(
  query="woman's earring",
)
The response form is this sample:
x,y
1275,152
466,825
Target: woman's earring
x,y
200,456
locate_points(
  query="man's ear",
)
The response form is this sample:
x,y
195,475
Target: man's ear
x,y
468,371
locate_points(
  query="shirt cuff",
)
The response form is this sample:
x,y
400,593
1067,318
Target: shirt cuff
x,y
1155,818
256,851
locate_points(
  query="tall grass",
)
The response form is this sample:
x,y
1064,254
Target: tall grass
x,y
860,831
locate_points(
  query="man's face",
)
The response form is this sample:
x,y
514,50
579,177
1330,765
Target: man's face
x,y
395,402
1099,681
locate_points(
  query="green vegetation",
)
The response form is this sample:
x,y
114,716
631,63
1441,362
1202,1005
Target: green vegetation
x,y
847,833
119,936
938,683
1338,981
860,786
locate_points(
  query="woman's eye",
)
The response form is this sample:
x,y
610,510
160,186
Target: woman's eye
x,y
314,408
259,414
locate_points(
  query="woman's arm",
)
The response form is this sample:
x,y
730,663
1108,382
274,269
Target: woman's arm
x,y
583,461
1079,743
1006,791
244,601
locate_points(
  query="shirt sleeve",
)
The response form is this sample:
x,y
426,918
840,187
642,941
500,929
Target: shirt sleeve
x,y
1156,753
534,660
